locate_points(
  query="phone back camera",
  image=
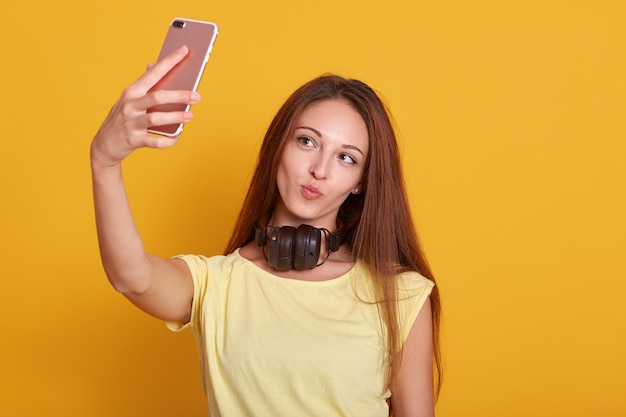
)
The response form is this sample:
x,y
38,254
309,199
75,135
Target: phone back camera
x,y
178,24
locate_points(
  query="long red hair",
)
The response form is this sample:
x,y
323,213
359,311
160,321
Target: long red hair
x,y
377,222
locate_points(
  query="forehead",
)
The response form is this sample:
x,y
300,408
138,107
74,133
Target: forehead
x,y
338,105
335,118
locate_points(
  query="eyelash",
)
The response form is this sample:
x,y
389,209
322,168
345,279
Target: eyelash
x,y
304,139
307,141
351,161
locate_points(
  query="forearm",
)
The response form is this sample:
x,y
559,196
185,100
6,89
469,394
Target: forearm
x,y
121,248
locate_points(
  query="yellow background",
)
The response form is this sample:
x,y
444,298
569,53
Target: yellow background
x,y
511,115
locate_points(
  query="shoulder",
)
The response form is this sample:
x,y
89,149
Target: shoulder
x,y
410,286
412,283
413,292
204,266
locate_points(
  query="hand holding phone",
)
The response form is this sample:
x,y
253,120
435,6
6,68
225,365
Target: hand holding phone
x,y
199,38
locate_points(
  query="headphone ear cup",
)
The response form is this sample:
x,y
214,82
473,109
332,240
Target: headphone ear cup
x,y
307,247
281,243
260,235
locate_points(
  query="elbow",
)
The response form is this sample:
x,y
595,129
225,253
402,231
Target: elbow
x,y
129,283
129,289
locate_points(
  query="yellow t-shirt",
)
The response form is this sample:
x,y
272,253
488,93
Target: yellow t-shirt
x,y
271,346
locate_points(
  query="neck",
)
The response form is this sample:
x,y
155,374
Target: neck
x,y
304,247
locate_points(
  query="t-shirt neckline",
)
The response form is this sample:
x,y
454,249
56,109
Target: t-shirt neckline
x,y
331,281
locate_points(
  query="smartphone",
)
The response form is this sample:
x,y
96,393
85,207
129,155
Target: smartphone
x,y
199,37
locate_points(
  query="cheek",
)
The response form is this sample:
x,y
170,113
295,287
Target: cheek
x,y
281,177
284,173
291,164
346,188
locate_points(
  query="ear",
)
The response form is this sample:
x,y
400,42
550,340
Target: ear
x,y
358,189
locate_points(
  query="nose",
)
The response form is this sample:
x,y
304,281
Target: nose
x,y
319,166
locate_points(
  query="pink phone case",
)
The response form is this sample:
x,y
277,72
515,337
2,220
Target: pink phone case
x,y
199,38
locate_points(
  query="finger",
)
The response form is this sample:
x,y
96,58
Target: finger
x,y
156,119
161,68
162,142
148,140
160,97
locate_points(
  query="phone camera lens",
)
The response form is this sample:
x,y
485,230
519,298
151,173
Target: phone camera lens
x,y
178,24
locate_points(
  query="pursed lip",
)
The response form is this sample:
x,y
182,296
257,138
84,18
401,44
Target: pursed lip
x,y
310,192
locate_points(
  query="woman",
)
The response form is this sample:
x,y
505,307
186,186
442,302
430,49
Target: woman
x,y
323,303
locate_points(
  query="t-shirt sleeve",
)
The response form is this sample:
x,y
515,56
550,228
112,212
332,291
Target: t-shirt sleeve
x,y
200,275
413,291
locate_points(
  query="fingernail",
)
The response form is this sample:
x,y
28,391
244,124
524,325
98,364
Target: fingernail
x,y
188,116
195,97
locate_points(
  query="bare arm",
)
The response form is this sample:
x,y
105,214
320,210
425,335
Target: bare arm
x,y
158,286
412,384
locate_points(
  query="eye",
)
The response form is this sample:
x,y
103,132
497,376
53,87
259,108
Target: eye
x,y
306,141
347,158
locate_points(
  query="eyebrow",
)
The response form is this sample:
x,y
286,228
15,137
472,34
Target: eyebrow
x,y
318,134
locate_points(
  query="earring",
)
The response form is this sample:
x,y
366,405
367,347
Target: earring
x,y
356,190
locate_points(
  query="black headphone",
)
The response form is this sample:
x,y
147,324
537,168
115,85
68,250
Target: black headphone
x,y
291,248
